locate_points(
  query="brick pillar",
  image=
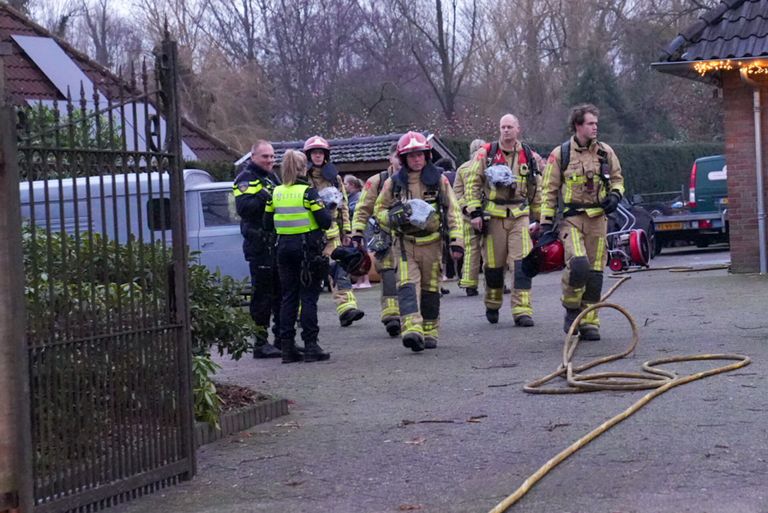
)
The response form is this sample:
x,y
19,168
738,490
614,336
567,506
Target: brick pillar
x,y
740,158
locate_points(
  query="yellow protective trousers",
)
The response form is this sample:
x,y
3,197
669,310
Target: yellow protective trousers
x,y
505,243
470,269
341,284
387,269
419,270
584,241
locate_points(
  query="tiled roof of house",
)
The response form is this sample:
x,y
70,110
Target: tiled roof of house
x,y
356,149
734,29
25,81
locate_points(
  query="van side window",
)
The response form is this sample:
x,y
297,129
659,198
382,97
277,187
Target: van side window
x,y
159,214
219,208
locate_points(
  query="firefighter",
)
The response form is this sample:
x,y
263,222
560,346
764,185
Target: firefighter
x,y
417,206
470,268
502,196
324,175
299,218
252,190
587,175
385,262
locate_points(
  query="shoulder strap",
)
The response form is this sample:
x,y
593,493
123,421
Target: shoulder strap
x,y
565,155
382,178
532,165
491,156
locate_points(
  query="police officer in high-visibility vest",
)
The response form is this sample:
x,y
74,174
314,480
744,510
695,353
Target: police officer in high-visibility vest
x,y
418,207
587,174
299,218
470,268
385,261
324,175
252,190
502,198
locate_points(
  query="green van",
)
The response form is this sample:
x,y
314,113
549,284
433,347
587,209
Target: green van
x,y
708,191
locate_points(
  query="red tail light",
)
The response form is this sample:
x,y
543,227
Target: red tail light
x,y
706,223
692,188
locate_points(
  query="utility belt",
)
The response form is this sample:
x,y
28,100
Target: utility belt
x,y
421,240
520,205
574,209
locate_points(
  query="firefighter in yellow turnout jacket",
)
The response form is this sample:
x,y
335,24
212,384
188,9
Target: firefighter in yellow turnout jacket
x,y
470,269
502,197
322,176
418,230
385,261
587,174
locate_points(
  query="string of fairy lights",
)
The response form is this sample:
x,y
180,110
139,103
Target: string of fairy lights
x,y
751,68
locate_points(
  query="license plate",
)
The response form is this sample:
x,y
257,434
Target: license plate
x,y
669,226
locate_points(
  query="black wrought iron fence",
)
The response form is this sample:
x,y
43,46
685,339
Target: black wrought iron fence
x,y
106,304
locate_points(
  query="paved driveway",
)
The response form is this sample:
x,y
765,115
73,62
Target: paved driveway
x,y
379,429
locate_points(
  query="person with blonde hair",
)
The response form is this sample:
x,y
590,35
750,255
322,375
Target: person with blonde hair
x,y
298,216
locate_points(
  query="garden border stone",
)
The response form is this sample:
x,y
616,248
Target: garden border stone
x,y
240,420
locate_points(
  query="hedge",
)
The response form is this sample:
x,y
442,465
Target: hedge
x,y
647,167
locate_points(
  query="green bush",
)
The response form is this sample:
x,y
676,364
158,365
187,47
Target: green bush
x,y
647,167
90,278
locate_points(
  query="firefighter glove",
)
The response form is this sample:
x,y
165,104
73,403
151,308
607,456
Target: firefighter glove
x,y
610,203
545,228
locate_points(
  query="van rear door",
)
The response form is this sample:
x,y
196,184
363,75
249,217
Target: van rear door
x,y
218,233
711,184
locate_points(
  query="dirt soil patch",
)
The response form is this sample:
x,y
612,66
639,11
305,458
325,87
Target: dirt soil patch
x,y
235,397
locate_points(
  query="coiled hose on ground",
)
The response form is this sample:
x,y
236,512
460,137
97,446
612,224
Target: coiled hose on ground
x,y
659,380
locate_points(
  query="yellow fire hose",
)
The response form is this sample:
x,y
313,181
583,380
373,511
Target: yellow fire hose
x,y
653,378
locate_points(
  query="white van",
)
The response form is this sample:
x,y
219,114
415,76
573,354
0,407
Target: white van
x,y
213,226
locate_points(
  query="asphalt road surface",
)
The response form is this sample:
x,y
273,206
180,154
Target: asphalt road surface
x,y
379,429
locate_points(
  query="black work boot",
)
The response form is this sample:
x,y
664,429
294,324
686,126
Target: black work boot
x,y
492,315
471,291
314,353
570,316
393,327
525,321
414,342
350,316
589,332
430,343
290,353
262,349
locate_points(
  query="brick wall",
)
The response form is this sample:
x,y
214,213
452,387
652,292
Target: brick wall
x,y
740,156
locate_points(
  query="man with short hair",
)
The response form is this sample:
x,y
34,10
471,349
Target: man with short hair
x,y
252,190
470,269
354,188
502,196
587,175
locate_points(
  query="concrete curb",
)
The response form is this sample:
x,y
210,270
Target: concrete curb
x,y
240,420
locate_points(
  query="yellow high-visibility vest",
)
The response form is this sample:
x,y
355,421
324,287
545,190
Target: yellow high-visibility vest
x,y
293,213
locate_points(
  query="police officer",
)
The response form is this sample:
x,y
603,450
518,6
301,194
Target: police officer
x,y
419,242
252,190
385,262
470,268
299,218
323,175
501,206
587,175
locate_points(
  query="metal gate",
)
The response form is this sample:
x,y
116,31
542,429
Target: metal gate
x,y
107,321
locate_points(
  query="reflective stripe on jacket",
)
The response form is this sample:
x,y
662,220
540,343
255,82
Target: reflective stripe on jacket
x,y
294,214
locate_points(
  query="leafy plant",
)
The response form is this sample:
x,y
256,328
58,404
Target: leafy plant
x,y
207,401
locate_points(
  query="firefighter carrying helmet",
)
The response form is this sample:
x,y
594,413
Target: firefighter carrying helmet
x,y
354,260
547,255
